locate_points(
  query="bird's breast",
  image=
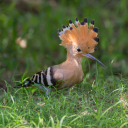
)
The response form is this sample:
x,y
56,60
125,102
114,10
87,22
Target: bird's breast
x,y
71,77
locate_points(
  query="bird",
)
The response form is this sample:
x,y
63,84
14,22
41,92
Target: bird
x,y
79,39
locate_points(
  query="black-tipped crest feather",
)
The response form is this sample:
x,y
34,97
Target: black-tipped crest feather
x,y
96,39
70,22
76,19
71,28
95,30
85,20
92,22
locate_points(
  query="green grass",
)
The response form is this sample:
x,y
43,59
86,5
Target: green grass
x,y
99,101
102,103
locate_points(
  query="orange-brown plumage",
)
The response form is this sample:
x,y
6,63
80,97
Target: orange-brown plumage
x,y
79,40
80,36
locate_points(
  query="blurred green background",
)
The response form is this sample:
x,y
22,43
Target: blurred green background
x,y
29,40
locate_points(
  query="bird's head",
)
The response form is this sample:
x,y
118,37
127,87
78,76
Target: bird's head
x,y
80,40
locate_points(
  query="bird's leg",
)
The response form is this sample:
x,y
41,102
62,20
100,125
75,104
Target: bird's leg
x,y
40,86
47,90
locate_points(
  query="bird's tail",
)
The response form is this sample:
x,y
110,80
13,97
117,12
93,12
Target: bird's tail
x,y
27,83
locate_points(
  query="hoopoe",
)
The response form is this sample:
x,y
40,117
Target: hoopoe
x,y
79,40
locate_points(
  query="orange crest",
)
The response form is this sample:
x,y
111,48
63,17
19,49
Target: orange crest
x,y
81,35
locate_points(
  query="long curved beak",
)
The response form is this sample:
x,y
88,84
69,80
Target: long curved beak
x,y
93,58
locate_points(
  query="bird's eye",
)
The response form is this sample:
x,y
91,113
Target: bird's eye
x,y
78,50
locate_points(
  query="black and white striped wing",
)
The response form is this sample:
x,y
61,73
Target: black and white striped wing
x,y
44,77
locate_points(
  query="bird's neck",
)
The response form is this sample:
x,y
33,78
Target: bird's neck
x,y
73,64
72,58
